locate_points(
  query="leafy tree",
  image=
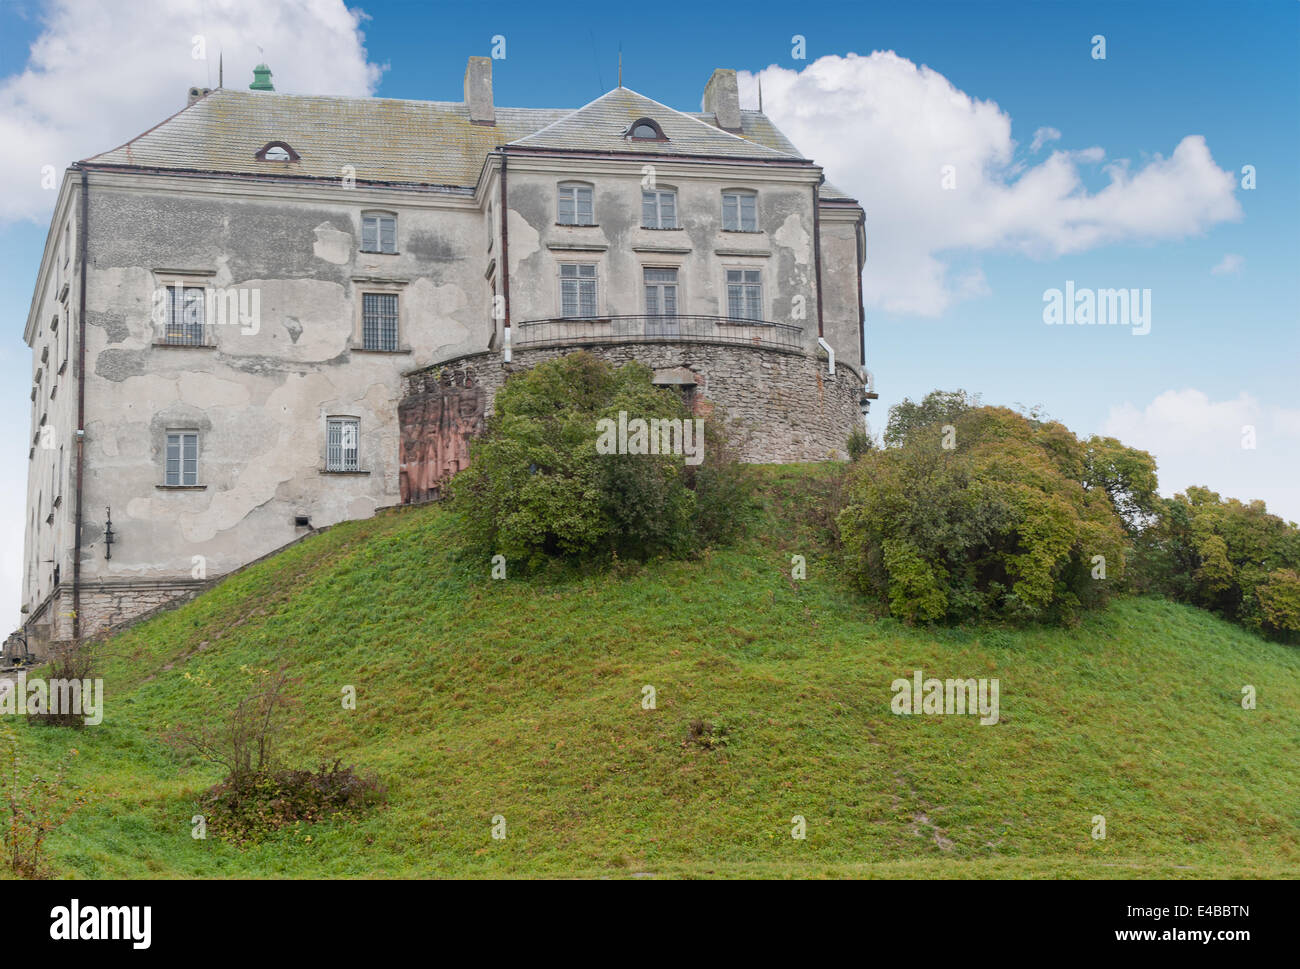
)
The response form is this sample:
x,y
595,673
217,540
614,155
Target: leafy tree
x,y
1231,557
538,488
990,518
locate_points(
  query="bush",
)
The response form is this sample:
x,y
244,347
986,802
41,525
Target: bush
x,y
538,487
1227,556
974,512
247,809
37,806
73,660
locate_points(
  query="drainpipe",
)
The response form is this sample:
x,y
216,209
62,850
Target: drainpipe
x,y
829,353
505,259
817,247
81,402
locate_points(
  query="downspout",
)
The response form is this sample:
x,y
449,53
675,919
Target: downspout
x,y
860,238
505,260
81,402
817,248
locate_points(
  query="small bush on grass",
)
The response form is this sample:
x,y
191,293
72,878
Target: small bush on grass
x,y
258,795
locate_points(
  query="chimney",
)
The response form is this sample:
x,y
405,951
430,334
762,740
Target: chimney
x,y
197,93
722,99
478,91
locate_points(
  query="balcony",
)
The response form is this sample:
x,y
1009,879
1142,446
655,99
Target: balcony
x,y
603,330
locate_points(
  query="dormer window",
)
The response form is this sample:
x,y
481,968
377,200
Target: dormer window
x,y
277,151
646,130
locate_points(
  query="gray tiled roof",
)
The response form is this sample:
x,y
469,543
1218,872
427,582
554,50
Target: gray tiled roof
x,y
417,142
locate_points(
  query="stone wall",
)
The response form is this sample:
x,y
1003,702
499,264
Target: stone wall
x,y
787,406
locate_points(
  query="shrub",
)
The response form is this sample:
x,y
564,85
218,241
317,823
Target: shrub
x,y
74,660
37,806
248,809
538,487
1227,556
245,741
974,512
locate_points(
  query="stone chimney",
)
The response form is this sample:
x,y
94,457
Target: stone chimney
x,y
197,93
722,99
478,91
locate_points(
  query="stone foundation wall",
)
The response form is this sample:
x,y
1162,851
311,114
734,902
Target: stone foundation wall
x,y
109,606
788,407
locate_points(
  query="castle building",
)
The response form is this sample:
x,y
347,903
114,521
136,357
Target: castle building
x,y
270,313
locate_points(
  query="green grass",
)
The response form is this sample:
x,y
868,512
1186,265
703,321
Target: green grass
x,y
523,698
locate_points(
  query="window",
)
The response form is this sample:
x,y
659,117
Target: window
x,y
575,205
182,458
578,289
491,232
341,439
645,129
379,321
744,294
184,326
659,209
277,151
661,292
378,232
740,211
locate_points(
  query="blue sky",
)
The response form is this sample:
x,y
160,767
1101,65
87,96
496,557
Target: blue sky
x,y
1224,347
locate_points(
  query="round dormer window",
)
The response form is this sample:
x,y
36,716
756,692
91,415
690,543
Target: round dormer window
x,y
646,130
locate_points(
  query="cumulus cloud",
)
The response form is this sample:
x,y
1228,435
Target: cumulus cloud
x,y
1229,265
101,73
1230,445
1042,136
886,130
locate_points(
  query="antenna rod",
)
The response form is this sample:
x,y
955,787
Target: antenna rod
x,y
620,65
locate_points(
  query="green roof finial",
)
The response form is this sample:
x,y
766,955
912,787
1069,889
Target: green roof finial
x,y
261,79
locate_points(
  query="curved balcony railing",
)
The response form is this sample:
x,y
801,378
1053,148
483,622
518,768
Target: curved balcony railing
x,y
594,330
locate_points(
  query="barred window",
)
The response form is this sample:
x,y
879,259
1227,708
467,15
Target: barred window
x,y
378,232
182,458
185,306
659,210
661,292
740,211
744,294
379,321
575,207
578,289
341,443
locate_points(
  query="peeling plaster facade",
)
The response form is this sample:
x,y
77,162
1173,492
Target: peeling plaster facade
x,y
471,261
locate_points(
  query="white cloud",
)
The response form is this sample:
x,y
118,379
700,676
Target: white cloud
x,y
1199,441
884,128
1229,265
1042,136
101,73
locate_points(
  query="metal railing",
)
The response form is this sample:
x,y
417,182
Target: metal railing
x,y
580,331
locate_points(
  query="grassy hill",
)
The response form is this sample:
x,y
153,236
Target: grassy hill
x,y
523,698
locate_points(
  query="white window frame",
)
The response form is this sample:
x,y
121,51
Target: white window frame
x,y
380,343
184,436
739,223
657,201
577,278
342,455
190,330
647,286
745,299
379,247
575,190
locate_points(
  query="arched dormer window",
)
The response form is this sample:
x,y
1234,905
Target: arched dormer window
x,y
645,129
277,151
